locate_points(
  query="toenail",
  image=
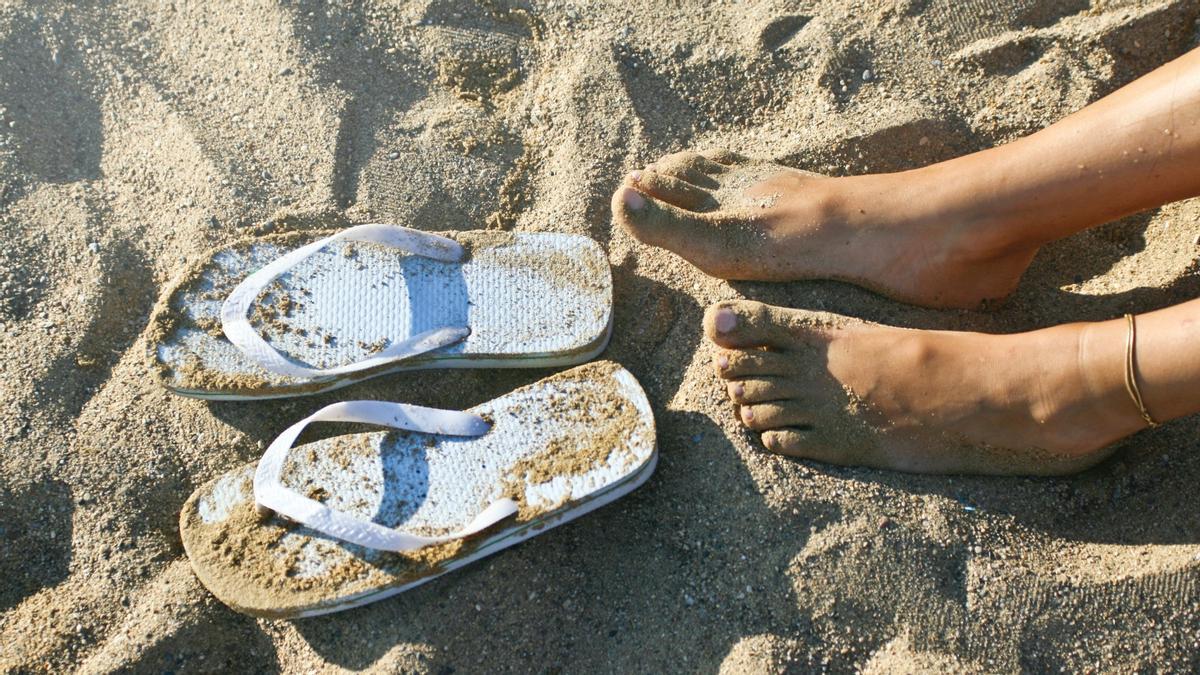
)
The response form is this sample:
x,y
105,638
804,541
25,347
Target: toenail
x,y
635,175
722,362
748,414
739,390
633,199
726,320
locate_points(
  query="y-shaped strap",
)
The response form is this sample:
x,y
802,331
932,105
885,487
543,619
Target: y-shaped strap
x,y
237,326
270,492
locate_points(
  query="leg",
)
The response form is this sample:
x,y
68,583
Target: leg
x,y
951,234
836,389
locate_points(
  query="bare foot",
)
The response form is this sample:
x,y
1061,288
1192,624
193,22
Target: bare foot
x,y
840,390
918,236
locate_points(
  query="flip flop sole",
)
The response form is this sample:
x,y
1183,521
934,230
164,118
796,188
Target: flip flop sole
x,y
559,361
561,448
530,299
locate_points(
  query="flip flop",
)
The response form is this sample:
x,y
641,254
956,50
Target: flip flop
x,y
348,520
254,320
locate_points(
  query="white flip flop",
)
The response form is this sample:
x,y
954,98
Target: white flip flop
x,y
256,321
349,520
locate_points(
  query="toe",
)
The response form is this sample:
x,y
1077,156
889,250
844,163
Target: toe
x,y
698,237
723,156
653,221
791,442
733,365
695,162
671,190
745,324
762,389
684,166
763,416
811,444
708,166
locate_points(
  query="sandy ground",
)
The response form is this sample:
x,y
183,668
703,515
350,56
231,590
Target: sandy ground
x,y
135,135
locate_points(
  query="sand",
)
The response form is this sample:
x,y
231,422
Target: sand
x,y
135,135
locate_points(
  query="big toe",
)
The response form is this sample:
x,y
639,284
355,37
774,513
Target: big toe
x,y
746,324
653,221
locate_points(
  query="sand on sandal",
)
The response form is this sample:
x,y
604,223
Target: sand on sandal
x,y
135,135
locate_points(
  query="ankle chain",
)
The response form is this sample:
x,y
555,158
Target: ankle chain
x,y
1130,376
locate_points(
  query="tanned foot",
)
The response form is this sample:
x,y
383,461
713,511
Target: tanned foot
x,y
916,236
835,389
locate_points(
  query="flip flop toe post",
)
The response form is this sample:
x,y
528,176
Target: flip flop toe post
x,y
352,519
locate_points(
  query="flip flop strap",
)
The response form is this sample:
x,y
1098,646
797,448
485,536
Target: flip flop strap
x,y
236,324
270,492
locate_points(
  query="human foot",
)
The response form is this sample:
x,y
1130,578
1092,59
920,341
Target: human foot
x,y
918,236
845,391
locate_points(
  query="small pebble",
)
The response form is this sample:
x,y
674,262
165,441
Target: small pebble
x,y
94,247
285,71
867,76
395,154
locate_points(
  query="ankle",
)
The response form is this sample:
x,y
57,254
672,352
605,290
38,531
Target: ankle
x,y
1103,405
976,226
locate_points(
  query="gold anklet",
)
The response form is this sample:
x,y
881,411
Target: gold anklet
x,y
1130,378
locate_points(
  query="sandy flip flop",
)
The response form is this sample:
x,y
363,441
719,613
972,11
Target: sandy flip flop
x,y
264,319
348,520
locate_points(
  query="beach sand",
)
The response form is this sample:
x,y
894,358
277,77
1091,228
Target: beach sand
x,y
136,135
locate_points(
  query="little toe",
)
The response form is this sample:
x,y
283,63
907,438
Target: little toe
x,y
736,365
682,165
777,415
708,166
672,190
724,156
791,442
745,324
763,389
810,444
